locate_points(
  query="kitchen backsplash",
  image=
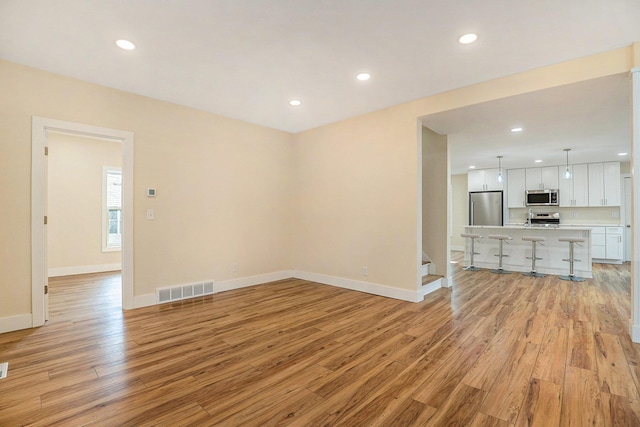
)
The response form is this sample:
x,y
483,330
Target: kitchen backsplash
x,y
571,215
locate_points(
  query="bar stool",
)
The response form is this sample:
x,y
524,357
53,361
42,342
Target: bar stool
x,y
502,238
473,252
571,259
533,240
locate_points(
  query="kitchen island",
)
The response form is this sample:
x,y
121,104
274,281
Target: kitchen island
x,y
552,253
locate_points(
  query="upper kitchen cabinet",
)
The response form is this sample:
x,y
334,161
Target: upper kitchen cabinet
x,y
574,192
484,180
516,188
604,184
542,178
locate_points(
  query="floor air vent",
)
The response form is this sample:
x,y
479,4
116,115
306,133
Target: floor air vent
x,y
176,293
4,367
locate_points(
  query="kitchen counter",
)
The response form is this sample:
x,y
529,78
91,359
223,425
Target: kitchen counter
x,y
552,253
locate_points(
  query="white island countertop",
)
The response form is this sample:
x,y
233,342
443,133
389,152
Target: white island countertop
x,y
552,251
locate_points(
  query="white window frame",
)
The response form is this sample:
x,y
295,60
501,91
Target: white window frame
x,y
105,210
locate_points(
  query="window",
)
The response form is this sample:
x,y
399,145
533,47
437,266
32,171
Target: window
x,y
112,209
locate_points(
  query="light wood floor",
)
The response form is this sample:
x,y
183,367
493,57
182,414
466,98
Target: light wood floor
x,y
492,351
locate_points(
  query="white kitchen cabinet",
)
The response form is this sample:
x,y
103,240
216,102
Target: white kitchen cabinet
x,y
607,244
544,178
615,248
604,184
598,242
484,180
574,192
516,188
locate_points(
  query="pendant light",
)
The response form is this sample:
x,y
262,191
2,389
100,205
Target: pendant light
x,y
567,172
500,175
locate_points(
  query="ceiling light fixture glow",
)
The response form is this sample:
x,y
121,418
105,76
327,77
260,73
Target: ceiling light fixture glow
x,y
537,161
363,76
125,44
567,172
516,130
295,102
472,167
468,38
622,154
500,175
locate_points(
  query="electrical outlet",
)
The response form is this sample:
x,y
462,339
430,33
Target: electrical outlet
x,y
575,214
615,214
235,267
365,271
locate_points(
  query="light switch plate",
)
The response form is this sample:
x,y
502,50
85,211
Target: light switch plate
x,y
150,214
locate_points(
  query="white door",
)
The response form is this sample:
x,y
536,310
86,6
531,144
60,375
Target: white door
x,y
627,218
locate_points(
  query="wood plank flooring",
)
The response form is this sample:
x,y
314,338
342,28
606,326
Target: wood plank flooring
x,y
495,350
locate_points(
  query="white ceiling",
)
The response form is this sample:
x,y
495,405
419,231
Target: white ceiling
x,y
591,118
247,58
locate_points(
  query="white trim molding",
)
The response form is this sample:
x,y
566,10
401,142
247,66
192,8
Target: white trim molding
x,y
147,300
432,287
15,323
635,205
40,126
259,279
356,285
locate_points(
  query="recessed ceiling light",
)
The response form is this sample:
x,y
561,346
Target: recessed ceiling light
x,y
295,102
472,167
363,76
516,130
537,161
125,44
622,154
468,38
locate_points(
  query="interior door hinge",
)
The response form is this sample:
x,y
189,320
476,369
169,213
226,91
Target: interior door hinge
x,y
45,220
46,151
46,289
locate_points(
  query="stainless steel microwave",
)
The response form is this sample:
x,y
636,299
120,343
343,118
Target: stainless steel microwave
x,y
542,198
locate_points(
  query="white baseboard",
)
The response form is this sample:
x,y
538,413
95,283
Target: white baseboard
x,y
15,323
243,282
634,331
83,269
446,282
356,285
431,287
147,300
457,248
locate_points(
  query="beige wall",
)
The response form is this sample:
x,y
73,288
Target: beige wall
x,y
460,210
435,197
355,200
225,187
74,204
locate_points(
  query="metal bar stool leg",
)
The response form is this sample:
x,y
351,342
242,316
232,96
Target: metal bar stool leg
x,y
534,241
500,255
572,240
473,237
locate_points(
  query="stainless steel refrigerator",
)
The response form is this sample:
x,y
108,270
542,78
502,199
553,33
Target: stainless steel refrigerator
x,y
485,208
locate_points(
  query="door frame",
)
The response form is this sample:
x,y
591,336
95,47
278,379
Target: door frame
x,y
39,128
624,218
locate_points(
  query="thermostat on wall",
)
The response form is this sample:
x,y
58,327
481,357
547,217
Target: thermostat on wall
x,y
151,192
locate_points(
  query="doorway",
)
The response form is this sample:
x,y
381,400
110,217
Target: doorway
x,y
41,127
